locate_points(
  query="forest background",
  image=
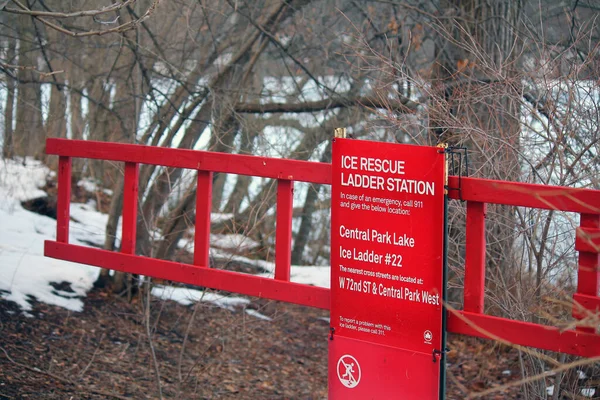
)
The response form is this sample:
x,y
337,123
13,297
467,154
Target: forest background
x,y
515,82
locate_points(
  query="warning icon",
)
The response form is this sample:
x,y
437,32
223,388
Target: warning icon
x,y
348,371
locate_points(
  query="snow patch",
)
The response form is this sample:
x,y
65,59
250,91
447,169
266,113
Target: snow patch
x,y
309,275
91,186
226,242
588,392
27,276
258,315
220,217
88,185
186,296
233,242
20,180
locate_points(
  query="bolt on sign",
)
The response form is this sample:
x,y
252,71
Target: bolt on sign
x,y
387,239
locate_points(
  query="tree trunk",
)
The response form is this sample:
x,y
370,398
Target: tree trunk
x,y
229,80
110,237
307,215
222,139
98,121
240,190
161,188
178,221
29,131
7,149
302,237
476,106
75,110
57,124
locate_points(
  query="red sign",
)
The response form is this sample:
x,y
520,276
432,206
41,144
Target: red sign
x,y
386,270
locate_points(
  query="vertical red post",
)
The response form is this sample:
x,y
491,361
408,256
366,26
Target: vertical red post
x,y
63,202
588,274
474,294
283,237
130,206
203,209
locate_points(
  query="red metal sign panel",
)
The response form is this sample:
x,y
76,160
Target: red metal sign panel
x,y
363,370
386,270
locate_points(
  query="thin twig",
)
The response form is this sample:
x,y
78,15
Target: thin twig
x,y
30,68
185,338
61,379
93,356
149,333
117,29
56,14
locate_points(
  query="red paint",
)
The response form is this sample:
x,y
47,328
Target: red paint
x,y
202,226
591,304
524,333
526,195
385,372
387,262
474,291
130,206
380,358
229,281
63,201
283,235
587,239
276,168
588,274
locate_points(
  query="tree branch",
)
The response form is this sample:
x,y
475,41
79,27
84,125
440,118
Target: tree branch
x,y
404,105
118,29
52,14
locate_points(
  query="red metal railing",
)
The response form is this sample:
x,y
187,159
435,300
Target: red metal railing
x,y
476,192
471,321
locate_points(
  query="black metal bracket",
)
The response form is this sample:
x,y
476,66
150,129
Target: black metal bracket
x,y
332,331
439,354
458,154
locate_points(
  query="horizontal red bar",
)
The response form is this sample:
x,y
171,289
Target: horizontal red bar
x,y
235,282
525,334
474,189
591,303
587,239
515,332
526,195
276,168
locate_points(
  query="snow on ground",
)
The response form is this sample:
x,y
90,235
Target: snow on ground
x,y
24,271
91,186
228,242
309,275
187,296
25,274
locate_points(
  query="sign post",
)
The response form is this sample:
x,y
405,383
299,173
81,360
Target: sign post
x,y
387,241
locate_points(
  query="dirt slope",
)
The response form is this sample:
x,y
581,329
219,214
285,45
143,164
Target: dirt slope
x,y
104,353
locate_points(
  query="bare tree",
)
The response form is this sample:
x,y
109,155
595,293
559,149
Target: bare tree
x,y
513,82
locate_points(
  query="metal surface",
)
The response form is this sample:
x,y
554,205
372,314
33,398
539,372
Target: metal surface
x,y
387,241
473,322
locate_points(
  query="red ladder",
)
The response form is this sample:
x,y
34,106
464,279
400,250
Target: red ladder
x,y
476,192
